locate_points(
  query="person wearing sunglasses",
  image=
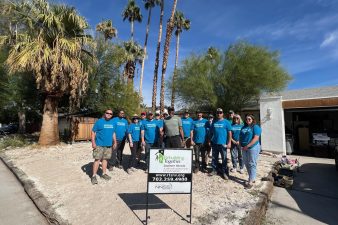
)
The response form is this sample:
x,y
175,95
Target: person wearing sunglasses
x,y
236,151
187,128
134,131
121,128
220,141
103,139
249,142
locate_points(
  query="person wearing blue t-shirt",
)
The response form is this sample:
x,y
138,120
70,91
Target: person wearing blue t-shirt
x,y
160,124
121,127
187,128
220,132
198,136
103,139
134,132
249,141
236,151
151,134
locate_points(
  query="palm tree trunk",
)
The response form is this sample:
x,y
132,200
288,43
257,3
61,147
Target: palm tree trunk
x,y
132,30
22,122
157,60
49,134
145,52
170,27
175,71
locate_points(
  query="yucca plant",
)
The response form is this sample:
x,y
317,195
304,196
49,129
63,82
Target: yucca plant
x,y
49,41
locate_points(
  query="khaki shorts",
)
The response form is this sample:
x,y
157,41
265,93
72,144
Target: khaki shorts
x,y
102,152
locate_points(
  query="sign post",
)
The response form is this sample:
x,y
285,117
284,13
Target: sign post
x,y
169,172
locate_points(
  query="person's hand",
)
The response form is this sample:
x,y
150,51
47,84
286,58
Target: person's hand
x,y
131,144
143,143
228,146
237,142
192,143
245,148
114,145
93,145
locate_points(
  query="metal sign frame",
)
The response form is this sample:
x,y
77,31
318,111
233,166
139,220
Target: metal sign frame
x,y
191,173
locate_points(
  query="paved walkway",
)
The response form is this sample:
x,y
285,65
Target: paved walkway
x,y
15,206
313,199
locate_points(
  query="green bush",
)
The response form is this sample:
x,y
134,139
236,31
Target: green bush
x,y
13,141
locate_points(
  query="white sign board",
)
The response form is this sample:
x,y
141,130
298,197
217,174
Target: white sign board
x,y
170,171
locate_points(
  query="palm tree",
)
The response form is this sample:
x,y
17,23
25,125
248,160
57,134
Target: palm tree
x,y
180,23
157,60
133,13
149,4
106,28
50,42
133,54
170,27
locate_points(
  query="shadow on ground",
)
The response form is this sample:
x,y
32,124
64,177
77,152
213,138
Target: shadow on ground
x,y
315,190
137,201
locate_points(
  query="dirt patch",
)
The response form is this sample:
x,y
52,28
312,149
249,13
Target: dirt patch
x,y
62,173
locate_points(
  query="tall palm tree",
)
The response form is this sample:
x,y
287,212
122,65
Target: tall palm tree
x,y
106,28
50,42
133,54
180,23
170,28
133,13
157,59
148,4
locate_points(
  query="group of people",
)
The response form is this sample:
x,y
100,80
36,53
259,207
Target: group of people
x,y
212,135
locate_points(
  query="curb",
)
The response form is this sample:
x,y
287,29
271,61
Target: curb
x,y
257,214
41,202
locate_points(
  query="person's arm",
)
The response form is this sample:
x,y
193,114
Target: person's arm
x,y
252,142
181,133
130,140
93,140
161,135
114,140
142,137
192,137
229,139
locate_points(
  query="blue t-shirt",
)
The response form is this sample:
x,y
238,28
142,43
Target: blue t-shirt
x,y
219,132
247,134
186,126
151,131
236,130
134,130
121,128
104,130
200,130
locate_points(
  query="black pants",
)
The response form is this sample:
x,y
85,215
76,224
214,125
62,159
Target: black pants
x,y
173,142
116,157
133,151
200,150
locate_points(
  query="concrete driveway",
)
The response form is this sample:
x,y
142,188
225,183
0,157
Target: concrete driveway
x,y
16,207
313,199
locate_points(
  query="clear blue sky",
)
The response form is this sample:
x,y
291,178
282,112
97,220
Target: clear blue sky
x,y
305,32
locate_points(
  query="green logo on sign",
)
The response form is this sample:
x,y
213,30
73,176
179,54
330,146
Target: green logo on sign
x,y
160,156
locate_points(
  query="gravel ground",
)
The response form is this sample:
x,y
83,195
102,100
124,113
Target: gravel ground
x,y
62,174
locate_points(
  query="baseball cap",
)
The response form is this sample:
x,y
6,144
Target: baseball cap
x,y
165,111
231,112
143,113
186,111
219,110
211,116
150,113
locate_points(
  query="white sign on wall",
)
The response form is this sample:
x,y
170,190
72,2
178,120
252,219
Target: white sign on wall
x,y
170,171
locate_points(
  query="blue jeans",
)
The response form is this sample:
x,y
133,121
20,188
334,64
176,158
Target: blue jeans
x,y
216,149
236,156
250,158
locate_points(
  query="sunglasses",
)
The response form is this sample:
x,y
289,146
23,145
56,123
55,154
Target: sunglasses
x,y
108,113
219,112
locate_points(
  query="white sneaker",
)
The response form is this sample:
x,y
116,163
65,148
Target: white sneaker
x,y
241,171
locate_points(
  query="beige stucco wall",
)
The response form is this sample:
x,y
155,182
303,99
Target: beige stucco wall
x,y
273,128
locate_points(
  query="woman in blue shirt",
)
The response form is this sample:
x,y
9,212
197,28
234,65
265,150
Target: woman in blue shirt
x,y
236,151
249,141
134,131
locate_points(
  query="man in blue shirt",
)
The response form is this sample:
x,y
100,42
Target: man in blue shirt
x,y
187,127
103,139
220,132
198,136
151,132
121,127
